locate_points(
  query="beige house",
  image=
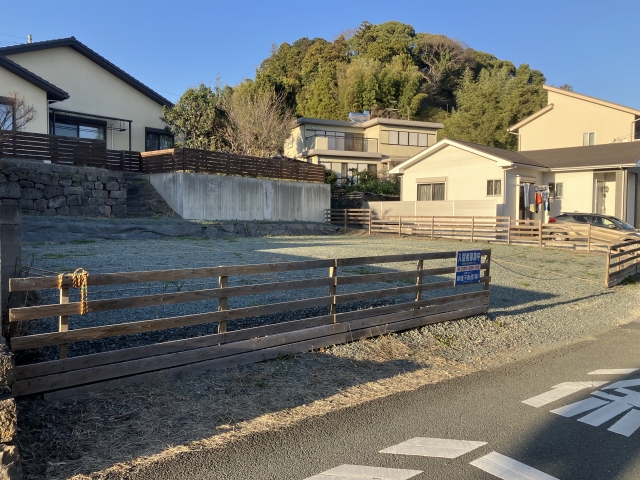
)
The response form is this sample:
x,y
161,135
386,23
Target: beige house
x,y
95,98
571,119
460,178
363,144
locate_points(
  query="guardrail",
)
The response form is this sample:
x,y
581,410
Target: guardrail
x,y
623,261
240,345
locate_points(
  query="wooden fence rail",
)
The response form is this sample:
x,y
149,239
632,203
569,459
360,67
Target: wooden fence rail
x,y
472,228
221,163
246,345
623,261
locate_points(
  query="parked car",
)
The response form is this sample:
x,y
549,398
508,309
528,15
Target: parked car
x,y
604,228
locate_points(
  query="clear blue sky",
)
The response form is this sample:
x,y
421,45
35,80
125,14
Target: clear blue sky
x,y
172,45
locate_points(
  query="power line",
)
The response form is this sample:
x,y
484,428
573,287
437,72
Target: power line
x,y
14,36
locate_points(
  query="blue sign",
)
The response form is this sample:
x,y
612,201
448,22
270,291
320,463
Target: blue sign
x,y
468,267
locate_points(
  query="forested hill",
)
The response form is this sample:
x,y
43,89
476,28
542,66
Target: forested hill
x,y
395,72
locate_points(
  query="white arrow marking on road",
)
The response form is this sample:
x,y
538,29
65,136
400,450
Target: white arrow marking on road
x,y
604,414
434,447
627,424
579,407
560,391
509,469
361,472
613,371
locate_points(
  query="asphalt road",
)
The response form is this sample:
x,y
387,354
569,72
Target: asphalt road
x,y
485,406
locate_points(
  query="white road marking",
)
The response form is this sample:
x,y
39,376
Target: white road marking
x,y
361,472
613,371
434,447
627,424
623,384
604,414
509,469
560,391
579,407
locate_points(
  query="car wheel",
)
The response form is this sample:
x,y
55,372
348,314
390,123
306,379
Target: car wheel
x,y
559,237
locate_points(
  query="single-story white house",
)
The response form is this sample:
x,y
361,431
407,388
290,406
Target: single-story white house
x,y
460,178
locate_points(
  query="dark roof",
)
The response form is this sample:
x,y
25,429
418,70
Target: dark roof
x,y
91,55
509,155
53,93
590,156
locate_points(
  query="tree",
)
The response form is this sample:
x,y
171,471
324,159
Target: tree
x,y
258,121
492,102
15,115
198,118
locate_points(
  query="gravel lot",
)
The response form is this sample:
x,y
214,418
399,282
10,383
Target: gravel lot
x,y
539,298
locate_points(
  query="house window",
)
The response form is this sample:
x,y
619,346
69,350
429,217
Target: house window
x,y
431,192
156,139
67,126
589,138
412,139
555,190
494,187
7,114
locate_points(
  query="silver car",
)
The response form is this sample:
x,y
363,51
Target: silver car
x,y
604,228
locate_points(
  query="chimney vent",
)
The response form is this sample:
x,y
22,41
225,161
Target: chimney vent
x,y
29,39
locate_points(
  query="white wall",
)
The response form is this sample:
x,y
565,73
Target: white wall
x,y
33,96
93,90
197,196
578,191
448,208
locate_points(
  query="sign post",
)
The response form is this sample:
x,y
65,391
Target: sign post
x,y
468,267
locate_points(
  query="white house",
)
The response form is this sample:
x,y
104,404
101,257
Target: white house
x,y
460,178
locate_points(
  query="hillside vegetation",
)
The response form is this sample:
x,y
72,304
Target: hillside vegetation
x,y
396,72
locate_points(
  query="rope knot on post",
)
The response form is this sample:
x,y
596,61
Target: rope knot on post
x,y
79,279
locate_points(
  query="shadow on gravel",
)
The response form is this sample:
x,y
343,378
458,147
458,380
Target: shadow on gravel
x,y
572,450
503,300
98,430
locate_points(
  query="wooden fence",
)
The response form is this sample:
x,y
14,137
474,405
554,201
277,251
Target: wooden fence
x,y
221,163
623,261
247,345
471,228
83,152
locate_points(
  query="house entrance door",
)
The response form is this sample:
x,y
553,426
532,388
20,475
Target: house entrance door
x,y
600,197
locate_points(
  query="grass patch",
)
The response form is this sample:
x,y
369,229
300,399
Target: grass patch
x,y
53,256
82,241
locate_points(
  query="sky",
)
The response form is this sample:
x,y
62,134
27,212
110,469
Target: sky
x,y
172,45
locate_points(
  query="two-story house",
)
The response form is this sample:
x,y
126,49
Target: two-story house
x,y
571,119
347,147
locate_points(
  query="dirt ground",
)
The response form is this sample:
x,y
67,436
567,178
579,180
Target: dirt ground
x,y
111,433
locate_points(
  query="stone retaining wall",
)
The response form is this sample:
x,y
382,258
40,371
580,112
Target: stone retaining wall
x,y
45,189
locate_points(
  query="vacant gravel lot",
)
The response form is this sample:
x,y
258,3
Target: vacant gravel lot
x,y
539,298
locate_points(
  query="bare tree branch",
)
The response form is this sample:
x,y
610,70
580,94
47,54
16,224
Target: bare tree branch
x,y
15,114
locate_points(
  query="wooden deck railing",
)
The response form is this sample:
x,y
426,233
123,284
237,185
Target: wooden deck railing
x,y
84,152
221,163
472,228
235,346
623,261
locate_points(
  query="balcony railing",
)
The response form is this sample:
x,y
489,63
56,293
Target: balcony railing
x,y
344,144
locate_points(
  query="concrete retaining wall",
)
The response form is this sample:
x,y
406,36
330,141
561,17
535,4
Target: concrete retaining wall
x,y
196,196
46,189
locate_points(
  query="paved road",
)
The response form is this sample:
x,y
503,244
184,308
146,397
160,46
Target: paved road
x,y
484,407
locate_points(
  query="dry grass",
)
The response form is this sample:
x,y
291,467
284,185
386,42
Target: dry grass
x,y
118,432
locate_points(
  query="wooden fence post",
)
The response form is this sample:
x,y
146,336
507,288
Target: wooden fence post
x,y
419,267
540,233
589,238
223,303
606,273
333,289
472,225
432,225
345,221
370,220
509,232
63,324
400,226
487,273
